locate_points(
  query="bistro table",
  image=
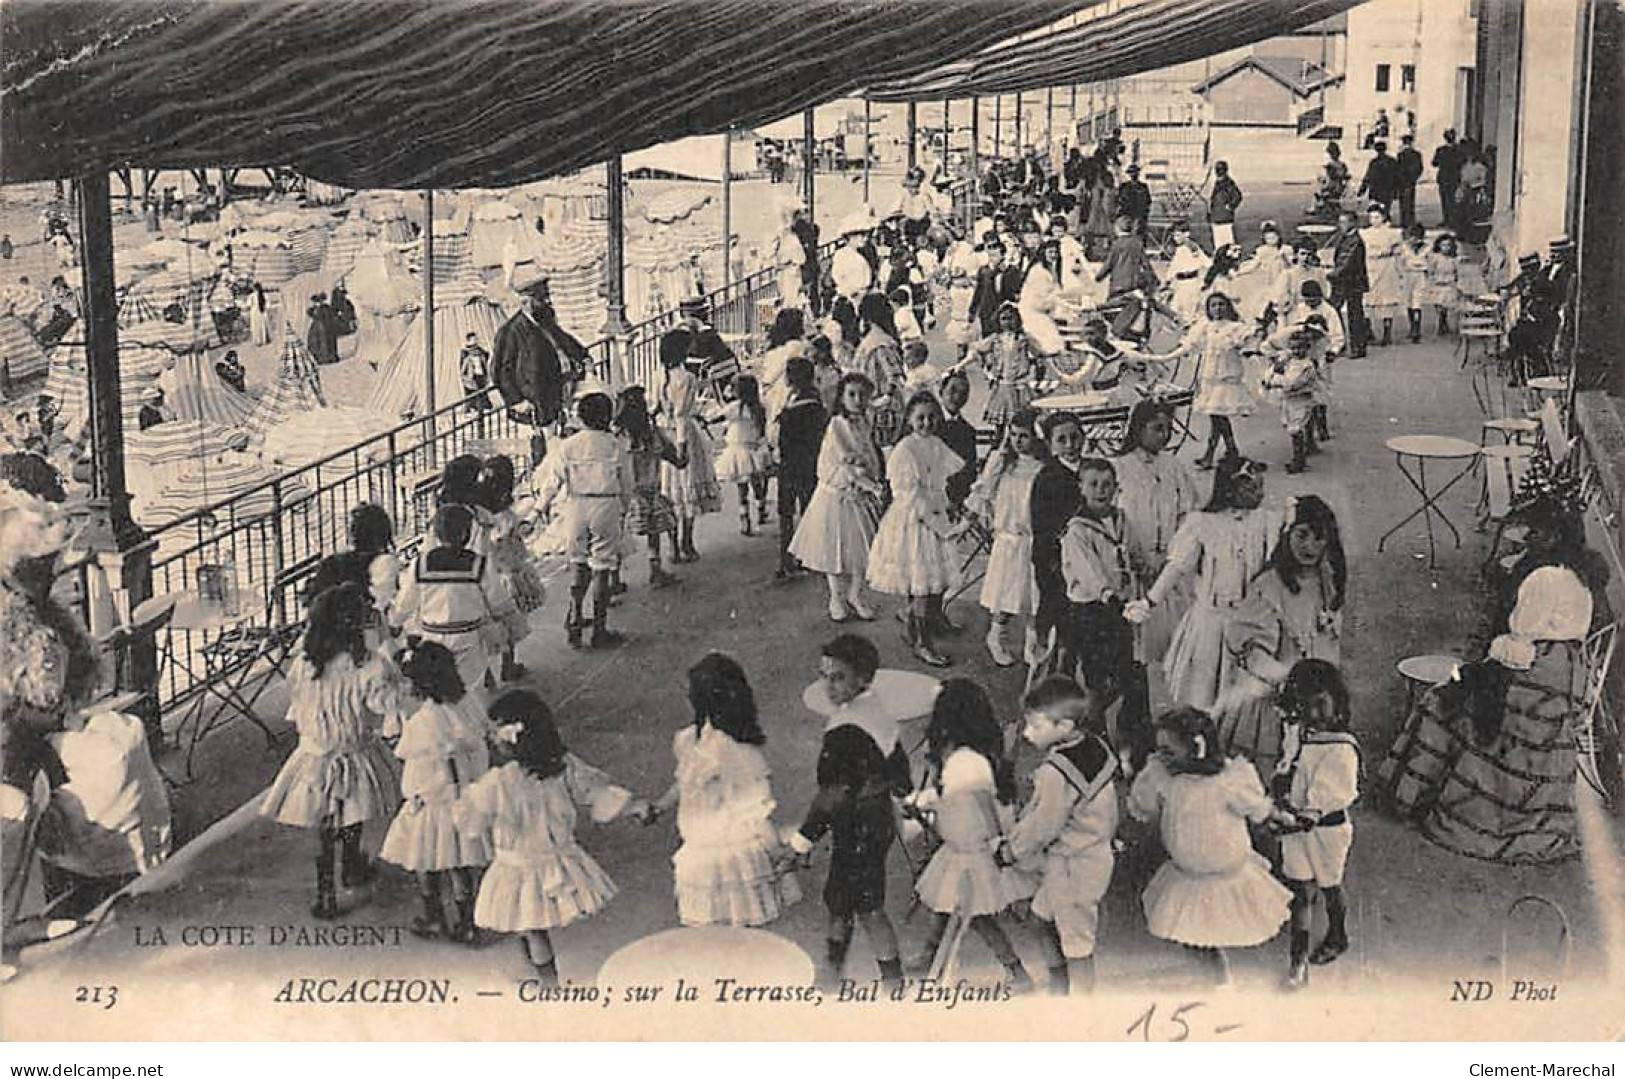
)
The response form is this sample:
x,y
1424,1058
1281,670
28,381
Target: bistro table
x,y
1424,672
1422,449
197,620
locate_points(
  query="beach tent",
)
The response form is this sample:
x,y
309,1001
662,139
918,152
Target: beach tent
x,y
298,388
400,377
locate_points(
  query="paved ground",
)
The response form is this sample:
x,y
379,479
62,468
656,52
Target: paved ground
x,y
1420,914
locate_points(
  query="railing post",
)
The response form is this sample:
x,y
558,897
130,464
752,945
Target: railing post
x,y
279,559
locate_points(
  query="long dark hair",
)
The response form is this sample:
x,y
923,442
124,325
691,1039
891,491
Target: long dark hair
x,y
1143,412
1318,516
1230,466
337,627
963,718
539,750
632,416
1309,677
460,481
496,483
432,670
876,311
750,395
1198,735
859,377
788,325
721,696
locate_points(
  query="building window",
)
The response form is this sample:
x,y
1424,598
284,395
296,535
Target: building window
x,y
1383,74
1407,79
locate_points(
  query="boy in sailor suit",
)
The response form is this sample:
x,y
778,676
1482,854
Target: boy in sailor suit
x,y
452,595
1066,828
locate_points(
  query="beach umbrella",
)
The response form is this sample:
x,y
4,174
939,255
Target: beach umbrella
x,y
232,476
496,232
323,194
309,247
379,283
137,309
184,285
157,455
675,204
21,357
311,436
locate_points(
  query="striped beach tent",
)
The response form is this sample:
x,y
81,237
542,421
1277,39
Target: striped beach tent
x,y
21,358
187,286
157,455
496,226
298,388
675,204
136,309
344,244
400,376
309,247
195,392
574,268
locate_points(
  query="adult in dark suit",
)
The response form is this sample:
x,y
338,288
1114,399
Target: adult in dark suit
x,y
1447,172
1134,200
997,282
1409,163
1055,499
323,336
1381,182
1349,281
534,361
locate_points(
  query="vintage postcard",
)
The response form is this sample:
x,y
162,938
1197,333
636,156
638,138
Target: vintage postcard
x,y
1056,520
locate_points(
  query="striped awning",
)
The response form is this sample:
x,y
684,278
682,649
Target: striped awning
x,y
1124,39
423,93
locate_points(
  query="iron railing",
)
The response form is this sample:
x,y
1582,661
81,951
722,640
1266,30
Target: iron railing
x,y
398,470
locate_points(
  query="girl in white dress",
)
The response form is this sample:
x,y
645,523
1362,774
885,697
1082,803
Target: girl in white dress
x,y
1442,271
726,871
962,264
510,559
745,452
970,802
785,340
1214,892
1265,274
839,524
1040,300
1295,612
1224,546
693,489
341,697
1002,498
1218,341
1386,296
539,879
913,553
1156,492
443,749
1413,268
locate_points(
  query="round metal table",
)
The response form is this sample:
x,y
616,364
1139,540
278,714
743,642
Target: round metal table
x,y
1422,449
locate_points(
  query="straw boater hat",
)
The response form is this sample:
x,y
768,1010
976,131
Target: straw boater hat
x,y
530,281
153,392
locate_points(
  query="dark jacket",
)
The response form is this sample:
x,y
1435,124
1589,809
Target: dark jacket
x,y
1409,162
960,437
531,361
1055,499
1224,200
801,433
1447,163
1134,200
1348,265
1381,179
993,288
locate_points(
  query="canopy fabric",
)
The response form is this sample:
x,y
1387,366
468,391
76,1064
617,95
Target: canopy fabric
x,y
420,93
1140,35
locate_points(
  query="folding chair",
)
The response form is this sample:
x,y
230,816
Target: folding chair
x,y
1597,740
978,540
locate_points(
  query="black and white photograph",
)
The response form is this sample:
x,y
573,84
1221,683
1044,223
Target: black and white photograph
x,y
812,520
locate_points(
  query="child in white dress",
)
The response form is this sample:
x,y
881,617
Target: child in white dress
x,y
340,775
727,871
692,487
1224,546
969,802
1214,892
1387,293
539,879
1156,492
835,532
1002,498
913,553
511,560
1321,782
1442,274
442,746
1413,270
1294,612
1187,268
745,452
1218,341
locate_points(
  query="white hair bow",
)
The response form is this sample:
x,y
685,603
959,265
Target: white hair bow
x,y
509,733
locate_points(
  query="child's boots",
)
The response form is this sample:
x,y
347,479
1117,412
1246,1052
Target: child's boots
x,y
358,869
1297,971
996,646
327,905
1444,323
1300,443
1416,326
431,924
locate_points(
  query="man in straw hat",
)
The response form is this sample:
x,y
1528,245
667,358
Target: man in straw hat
x,y
533,361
